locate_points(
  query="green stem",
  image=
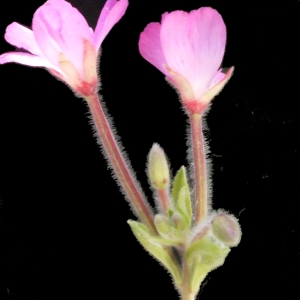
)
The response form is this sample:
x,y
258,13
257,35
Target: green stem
x,y
187,296
199,161
120,166
185,288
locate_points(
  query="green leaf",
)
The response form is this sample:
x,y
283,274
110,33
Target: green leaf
x,y
164,242
170,213
199,272
184,204
203,256
181,195
142,234
209,252
179,182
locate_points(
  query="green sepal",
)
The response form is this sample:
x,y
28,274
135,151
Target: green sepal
x,y
150,243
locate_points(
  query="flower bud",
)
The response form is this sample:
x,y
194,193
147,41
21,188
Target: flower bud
x,y
167,230
180,221
158,169
162,224
226,229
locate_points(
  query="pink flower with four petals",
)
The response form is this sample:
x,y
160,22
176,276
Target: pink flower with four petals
x,y
62,42
189,48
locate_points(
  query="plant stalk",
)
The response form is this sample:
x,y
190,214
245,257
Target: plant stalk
x,y
120,166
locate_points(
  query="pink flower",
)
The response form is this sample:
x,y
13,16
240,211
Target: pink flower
x,y
62,42
188,48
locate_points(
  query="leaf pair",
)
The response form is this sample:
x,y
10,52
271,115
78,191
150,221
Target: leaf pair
x,y
154,246
203,256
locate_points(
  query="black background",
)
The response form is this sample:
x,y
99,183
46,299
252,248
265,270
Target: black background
x,y
63,220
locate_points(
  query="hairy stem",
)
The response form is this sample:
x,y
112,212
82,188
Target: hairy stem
x,y
185,288
199,161
164,199
120,166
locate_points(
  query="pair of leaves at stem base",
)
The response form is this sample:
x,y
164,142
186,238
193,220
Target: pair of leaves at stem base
x,y
200,256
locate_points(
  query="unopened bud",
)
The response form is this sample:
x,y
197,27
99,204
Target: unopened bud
x,y
158,169
180,221
162,224
227,229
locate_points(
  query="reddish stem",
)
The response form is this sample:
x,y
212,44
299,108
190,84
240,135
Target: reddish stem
x,y
120,167
199,161
164,200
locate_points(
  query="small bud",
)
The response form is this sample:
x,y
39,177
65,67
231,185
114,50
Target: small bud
x,y
176,218
227,229
158,169
167,230
162,224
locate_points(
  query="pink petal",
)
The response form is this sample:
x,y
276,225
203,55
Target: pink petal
x,y
194,45
163,16
217,88
64,28
150,46
103,15
111,13
74,22
24,59
22,37
45,41
55,2
219,76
